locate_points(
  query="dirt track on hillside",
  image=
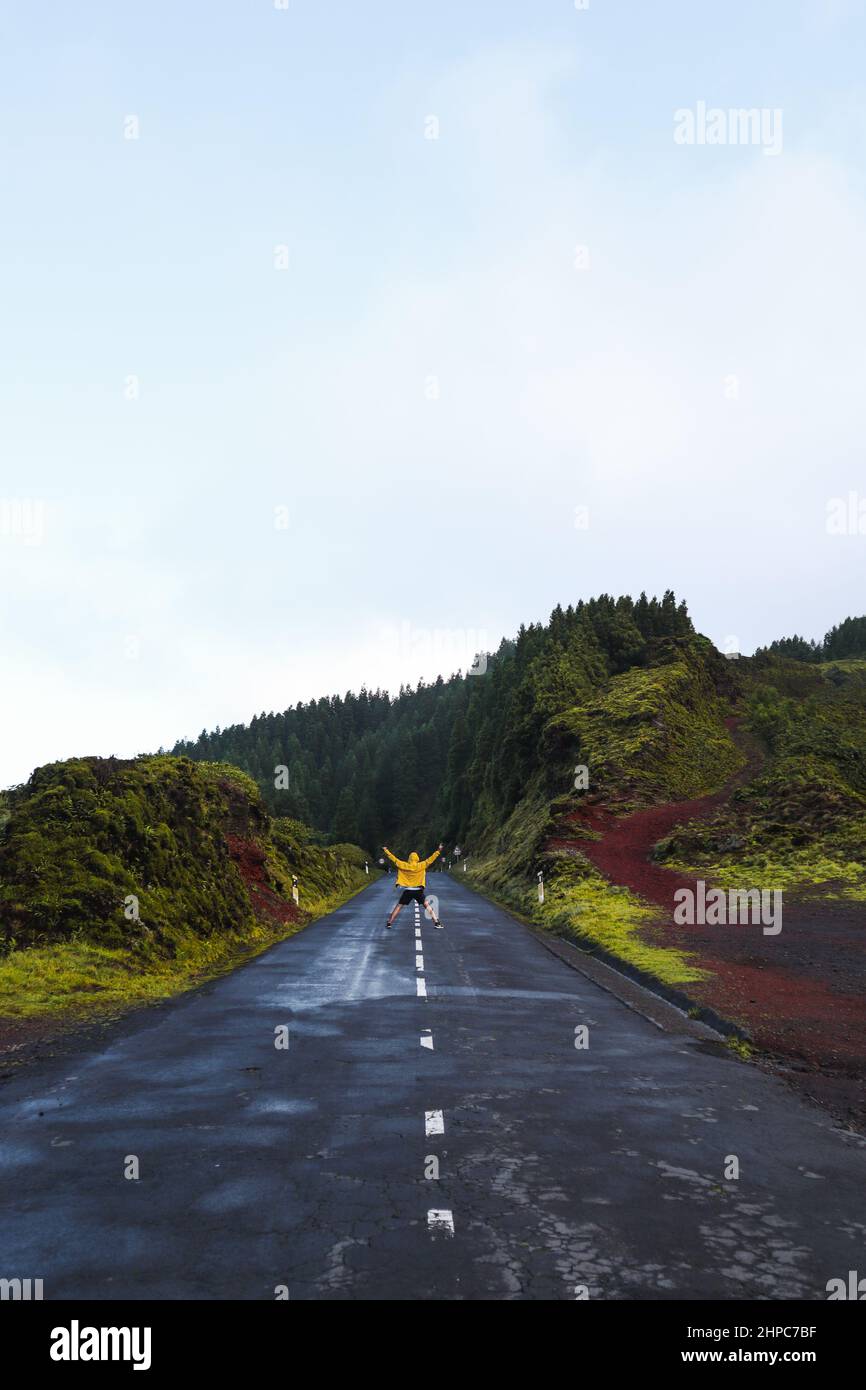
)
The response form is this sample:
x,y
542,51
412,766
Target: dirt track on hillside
x,y
800,995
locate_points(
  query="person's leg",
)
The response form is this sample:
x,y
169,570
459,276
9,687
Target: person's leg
x,y
394,913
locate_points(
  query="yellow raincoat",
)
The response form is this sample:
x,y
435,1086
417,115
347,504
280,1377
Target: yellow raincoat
x,y
411,873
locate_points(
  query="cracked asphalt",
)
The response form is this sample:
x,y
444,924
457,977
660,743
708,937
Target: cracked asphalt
x,y
596,1171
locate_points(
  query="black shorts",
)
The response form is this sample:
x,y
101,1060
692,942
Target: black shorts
x,y
410,895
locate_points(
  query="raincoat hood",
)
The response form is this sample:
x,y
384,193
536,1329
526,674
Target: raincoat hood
x,y
411,872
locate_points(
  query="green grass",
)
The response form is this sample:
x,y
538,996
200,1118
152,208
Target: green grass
x,y
851,665
84,836
87,834
801,820
658,733
654,733
799,868
581,905
80,980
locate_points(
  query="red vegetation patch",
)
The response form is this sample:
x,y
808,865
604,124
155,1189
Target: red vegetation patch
x,y
799,994
268,905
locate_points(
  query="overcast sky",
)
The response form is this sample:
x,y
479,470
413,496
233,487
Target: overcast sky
x,y
321,326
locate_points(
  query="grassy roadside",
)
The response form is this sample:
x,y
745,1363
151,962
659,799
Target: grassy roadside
x,y
654,733
581,906
127,881
79,981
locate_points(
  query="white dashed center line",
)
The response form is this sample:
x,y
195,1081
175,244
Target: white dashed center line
x,y
439,1221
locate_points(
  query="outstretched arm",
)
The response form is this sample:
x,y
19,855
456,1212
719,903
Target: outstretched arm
x,y
435,855
394,860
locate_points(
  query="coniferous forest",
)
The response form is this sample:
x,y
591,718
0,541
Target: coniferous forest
x,y
410,888
451,758
594,751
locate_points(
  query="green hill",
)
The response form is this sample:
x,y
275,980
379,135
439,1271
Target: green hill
x,y
452,759
802,818
127,879
629,690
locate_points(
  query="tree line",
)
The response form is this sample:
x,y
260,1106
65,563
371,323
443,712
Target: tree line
x,y
447,759
846,639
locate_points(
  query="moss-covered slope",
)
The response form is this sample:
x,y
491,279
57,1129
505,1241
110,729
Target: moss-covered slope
x,y
656,732
132,877
802,818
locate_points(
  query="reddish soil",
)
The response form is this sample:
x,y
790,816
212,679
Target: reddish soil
x,y
28,1039
267,904
800,995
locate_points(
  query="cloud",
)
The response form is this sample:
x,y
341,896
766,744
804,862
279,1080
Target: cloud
x,y
697,386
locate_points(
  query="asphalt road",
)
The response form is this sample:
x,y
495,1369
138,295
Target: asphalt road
x,y
561,1169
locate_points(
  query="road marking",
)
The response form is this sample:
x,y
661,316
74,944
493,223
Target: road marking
x,y
434,1122
419,962
418,931
422,989
440,1222
426,1039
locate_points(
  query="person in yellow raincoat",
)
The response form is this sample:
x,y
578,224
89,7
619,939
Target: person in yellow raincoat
x,y
412,877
